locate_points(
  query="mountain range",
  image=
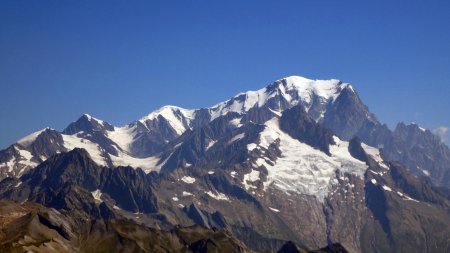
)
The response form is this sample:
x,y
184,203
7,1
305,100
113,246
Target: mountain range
x,y
298,165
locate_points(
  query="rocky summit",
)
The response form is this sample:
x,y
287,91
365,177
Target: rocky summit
x,y
298,166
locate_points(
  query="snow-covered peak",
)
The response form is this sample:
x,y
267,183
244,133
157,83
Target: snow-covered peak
x,y
292,90
169,111
91,119
86,123
179,118
29,139
307,88
288,91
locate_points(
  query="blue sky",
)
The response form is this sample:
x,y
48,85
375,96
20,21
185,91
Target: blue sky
x,y
119,60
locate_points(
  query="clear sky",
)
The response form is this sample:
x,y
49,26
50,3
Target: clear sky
x,y
119,60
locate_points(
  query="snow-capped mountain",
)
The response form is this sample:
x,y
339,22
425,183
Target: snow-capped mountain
x,y
331,103
139,143
298,160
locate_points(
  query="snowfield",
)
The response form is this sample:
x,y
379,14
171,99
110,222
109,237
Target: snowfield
x,y
301,168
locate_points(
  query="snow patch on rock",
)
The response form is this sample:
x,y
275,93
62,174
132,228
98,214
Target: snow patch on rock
x,y
236,123
253,176
375,154
185,194
406,197
218,196
210,144
236,138
387,188
188,179
97,195
274,209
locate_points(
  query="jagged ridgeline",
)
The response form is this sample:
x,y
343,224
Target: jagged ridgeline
x,y
296,166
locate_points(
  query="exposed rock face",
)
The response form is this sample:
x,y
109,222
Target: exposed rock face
x,y
421,151
347,116
66,181
299,125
